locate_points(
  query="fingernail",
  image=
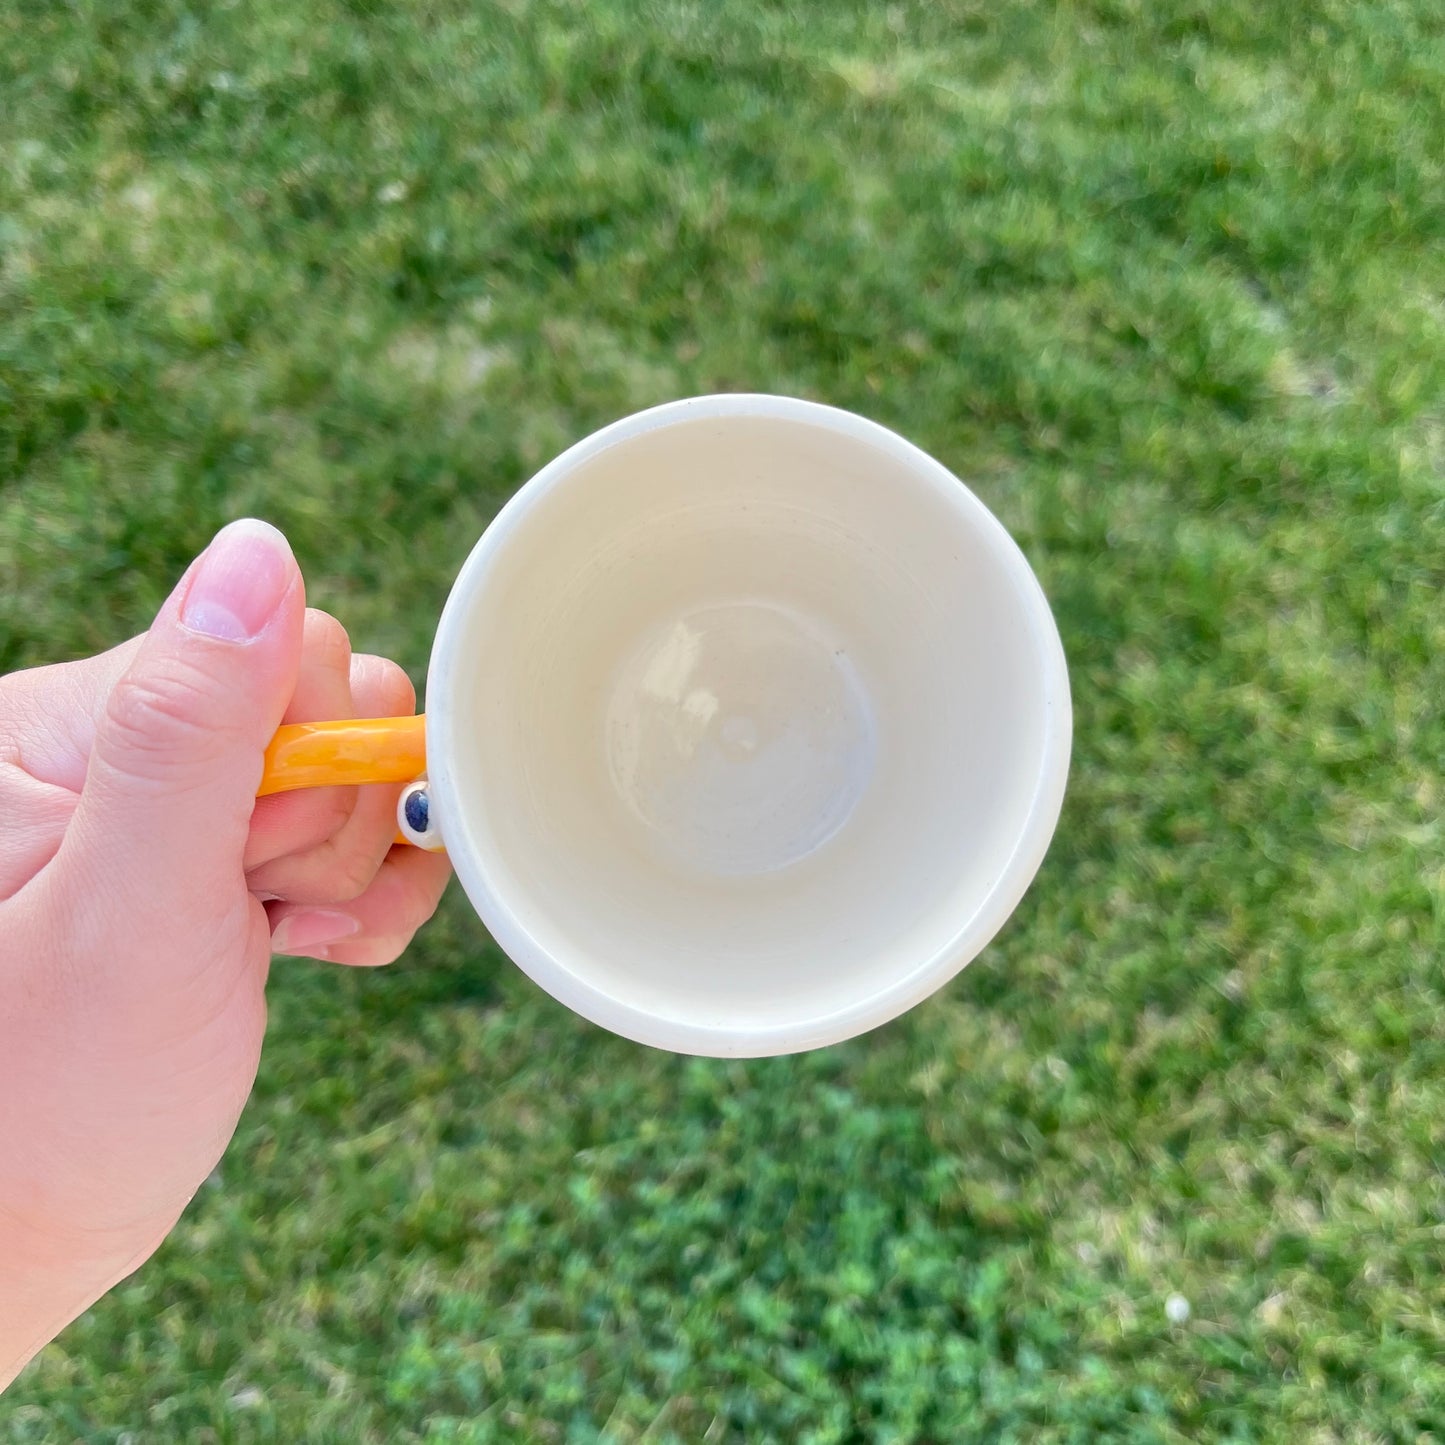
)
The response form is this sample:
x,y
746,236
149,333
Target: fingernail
x,y
313,928
239,583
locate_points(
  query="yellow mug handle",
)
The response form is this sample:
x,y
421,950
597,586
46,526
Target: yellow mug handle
x,y
359,750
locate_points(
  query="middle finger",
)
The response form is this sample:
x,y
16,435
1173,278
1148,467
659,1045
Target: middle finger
x,y
342,867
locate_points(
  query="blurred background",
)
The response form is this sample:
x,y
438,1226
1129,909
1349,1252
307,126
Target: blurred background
x,y
1164,280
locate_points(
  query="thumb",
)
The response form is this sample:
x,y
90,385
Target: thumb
x,y
173,771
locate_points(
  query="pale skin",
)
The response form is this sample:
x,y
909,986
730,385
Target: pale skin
x,y
143,891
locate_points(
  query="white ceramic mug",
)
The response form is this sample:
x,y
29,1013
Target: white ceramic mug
x,y
747,726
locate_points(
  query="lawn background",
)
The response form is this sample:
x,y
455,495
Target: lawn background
x,y
1166,283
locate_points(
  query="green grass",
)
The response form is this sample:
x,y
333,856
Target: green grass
x,y
1166,282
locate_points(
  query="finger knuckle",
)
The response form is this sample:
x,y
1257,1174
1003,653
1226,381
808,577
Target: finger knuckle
x,y
326,638
161,720
352,875
385,680
317,816
334,812
399,685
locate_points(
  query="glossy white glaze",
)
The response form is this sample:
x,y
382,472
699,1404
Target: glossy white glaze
x,y
739,738
748,726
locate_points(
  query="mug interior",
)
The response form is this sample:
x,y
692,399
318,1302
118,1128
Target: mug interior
x,y
751,726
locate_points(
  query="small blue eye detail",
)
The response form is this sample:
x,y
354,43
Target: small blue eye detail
x,y
418,811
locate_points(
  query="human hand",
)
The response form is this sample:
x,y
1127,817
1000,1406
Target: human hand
x,y
142,891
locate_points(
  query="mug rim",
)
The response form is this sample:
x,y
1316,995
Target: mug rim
x,y
919,979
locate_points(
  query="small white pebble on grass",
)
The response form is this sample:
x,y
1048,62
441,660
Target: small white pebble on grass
x,y
1176,1308
247,1398
391,193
